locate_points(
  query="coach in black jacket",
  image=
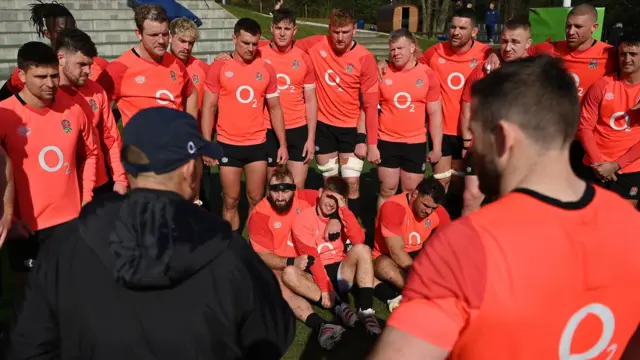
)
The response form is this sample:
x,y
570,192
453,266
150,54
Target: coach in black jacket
x,y
150,275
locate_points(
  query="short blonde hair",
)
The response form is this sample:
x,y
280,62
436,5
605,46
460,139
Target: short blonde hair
x,y
184,26
342,17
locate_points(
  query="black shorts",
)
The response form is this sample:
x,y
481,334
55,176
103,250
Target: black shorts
x,y
576,157
627,185
22,253
105,188
451,146
411,158
296,138
331,138
333,271
241,155
414,254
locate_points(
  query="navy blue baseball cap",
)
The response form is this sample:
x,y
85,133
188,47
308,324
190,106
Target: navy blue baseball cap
x,y
168,137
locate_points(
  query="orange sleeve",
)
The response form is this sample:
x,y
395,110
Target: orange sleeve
x,y
204,66
310,76
445,287
370,96
466,93
589,115
259,233
112,141
351,228
427,55
630,156
262,43
308,196
305,44
433,93
443,216
188,88
304,243
272,86
213,77
87,157
111,79
543,48
15,85
392,217
102,63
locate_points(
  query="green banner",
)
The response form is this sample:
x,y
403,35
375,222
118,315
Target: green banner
x,y
549,23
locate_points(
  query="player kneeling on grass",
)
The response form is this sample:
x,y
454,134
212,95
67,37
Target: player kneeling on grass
x,y
405,223
270,235
334,268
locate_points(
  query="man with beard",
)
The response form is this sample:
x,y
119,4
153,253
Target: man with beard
x,y
270,235
75,52
514,42
147,76
546,271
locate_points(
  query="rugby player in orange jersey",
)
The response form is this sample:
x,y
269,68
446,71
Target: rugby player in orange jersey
x,y
453,62
547,271
405,223
408,92
49,19
75,52
297,85
269,229
514,42
147,75
240,88
52,150
610,125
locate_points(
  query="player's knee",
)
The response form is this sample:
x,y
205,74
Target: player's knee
x,y
254,198
290,276
231,202
388,190
331,168
361,251
352,167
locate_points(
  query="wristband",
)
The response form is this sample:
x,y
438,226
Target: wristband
x,y
463,139
290,261
361,138
465,148
334,215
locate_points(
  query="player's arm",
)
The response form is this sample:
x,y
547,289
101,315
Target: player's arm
x,y
306,43
304,242
111,79
275,109
392,216
350,226
87,155
370,97
589,114
629,157
444,290
434,110
210,101
8,189
113,142
632,351
310,101
261,239
189,93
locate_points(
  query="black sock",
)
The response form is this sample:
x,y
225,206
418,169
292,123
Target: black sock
x,y
365,298
354,206
385,292
314,321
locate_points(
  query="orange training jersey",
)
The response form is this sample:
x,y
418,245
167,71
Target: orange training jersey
x,y
136,83
51,150
341,79
197,70
562,282
98,66
587,66
396,219
477,74
404,95
294,74
93,100
308,239
609,121
242,89
453,70
271,232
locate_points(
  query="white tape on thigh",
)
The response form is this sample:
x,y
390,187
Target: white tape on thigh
x,y
443,175
458,173
330,168
352,168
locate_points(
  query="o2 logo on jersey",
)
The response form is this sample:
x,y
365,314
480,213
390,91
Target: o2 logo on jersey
x,y
576,80
59,163
615,120
414,237
287,83
161,96
455,81
608,327
331,78
325,244
406,103
243,99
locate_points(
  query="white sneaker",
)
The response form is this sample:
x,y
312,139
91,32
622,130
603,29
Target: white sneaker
x,y
394,303
346,315
329,335
370,321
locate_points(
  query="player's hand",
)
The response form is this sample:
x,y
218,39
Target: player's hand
x,y
5,226
333,230
209,161
373,154
464,152
361,151
19,230
222,56
435,155
327,300
607,169
85,202
382,69
492,63
120,188
278,5
340,200
309,150
301,262
283,155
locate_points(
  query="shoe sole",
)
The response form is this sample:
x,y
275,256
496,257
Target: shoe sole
x,y
334,339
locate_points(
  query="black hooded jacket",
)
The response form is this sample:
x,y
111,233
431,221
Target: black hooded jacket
x,y
150,275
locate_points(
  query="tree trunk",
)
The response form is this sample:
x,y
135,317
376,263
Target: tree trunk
x,y
443,15
425,16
